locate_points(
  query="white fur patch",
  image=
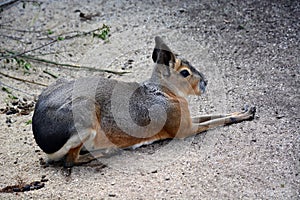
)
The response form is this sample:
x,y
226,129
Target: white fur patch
x,y
141,144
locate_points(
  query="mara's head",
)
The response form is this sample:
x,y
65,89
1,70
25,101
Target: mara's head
x,y
176,73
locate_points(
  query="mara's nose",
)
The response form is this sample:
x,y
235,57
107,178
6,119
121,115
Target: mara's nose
x,y
202,85
205,82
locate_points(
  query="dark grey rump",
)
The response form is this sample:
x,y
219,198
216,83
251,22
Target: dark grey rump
x,y
52,122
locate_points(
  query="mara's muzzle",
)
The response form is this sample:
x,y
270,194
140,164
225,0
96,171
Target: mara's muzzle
x,y
202,86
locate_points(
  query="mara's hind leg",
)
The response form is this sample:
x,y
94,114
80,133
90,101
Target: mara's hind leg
x,y
75,158
72,156
75,145
207,122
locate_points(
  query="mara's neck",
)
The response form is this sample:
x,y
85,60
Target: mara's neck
x,y
163,84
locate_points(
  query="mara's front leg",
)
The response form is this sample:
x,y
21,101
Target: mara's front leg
x,y
206,122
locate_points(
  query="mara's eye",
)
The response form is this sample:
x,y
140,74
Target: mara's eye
x,y
185,73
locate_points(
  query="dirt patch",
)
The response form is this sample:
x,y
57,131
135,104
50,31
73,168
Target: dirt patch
x,y
249,52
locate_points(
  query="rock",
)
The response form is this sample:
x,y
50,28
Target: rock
x,y
16,190
26,188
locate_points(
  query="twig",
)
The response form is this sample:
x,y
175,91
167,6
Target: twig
x,y
50,73
4,27
14,38
59,38
7,2
64,64
23,80
20,54
70,65
13,88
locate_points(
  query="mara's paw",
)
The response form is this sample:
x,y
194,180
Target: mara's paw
x,y
249,111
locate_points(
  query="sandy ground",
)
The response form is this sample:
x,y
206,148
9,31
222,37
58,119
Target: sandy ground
x,y
249,52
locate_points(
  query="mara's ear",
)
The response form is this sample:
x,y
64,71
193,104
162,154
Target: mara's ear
x,y
162,53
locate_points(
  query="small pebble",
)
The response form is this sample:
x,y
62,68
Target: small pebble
x,y
279,116
16,190
42,162
14,103
130,61
26,188
9,121
39,186
44,180
35,183
181,10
